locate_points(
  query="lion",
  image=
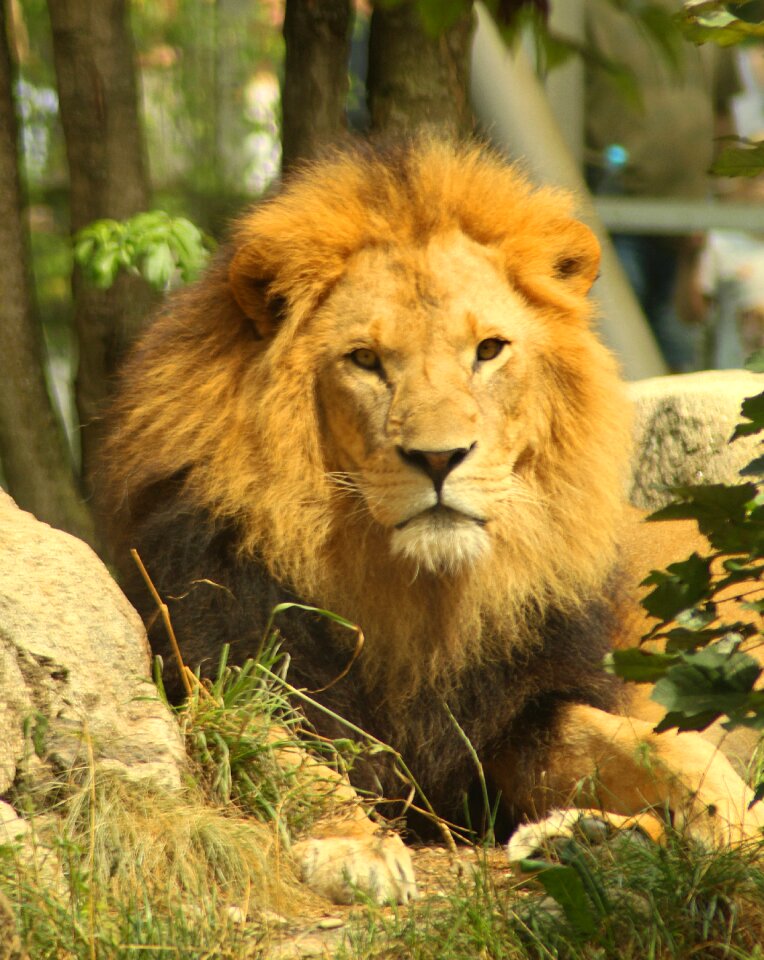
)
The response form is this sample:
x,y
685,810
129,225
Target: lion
x,y
386,399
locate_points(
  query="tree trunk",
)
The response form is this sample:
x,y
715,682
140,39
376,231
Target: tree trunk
x,y
317,36
417,81
33,449
97,89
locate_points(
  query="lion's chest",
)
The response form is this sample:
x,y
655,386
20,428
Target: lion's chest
x,y
498,705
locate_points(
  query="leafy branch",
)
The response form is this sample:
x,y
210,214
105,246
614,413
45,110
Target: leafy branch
x,y
704,671
158,247
714,21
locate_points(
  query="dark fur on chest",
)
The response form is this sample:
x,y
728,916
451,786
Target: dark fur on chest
x,y
503,707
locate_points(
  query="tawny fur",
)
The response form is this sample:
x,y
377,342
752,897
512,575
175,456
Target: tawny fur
x,y
254,457
238,413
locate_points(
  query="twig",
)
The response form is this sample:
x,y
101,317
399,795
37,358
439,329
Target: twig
x,y
91,846
478,766
164,611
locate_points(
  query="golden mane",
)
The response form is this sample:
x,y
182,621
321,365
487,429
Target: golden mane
x,y
221,392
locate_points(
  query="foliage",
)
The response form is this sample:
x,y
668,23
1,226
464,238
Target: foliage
x,y
725,24
114,868
720,22
639,900
236,725
518,18
125,868
705,672
633,900
154,245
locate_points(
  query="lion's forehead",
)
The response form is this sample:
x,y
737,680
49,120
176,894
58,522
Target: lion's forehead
x,y
451,292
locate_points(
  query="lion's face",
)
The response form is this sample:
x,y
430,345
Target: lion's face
x,y
390,389
426,394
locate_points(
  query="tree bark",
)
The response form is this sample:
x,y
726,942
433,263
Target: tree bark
x,y
317,36
417,81
33,449
98,97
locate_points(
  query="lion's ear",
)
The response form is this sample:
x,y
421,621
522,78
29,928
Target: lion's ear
x,y
252,289
576,258
556,266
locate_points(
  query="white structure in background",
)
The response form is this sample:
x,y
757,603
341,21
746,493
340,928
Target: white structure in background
x,y
262,147
731,277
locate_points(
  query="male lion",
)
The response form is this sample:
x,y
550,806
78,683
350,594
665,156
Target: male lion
x,y
385,399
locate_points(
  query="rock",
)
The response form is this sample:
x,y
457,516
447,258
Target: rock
x,y
12,827
75,684
682,429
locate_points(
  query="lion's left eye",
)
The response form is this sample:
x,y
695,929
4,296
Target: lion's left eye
x,y
365,359
489,349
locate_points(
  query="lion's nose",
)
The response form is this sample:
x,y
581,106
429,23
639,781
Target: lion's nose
x,y
437,464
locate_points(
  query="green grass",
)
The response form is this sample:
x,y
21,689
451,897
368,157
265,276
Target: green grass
x,y
645,902
120,869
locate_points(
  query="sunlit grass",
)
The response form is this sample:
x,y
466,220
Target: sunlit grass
x,y
114,868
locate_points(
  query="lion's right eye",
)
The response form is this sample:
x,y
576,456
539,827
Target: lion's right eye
x,y
489,349
365,359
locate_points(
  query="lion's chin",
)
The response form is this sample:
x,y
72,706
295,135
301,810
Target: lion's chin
x,y
441,541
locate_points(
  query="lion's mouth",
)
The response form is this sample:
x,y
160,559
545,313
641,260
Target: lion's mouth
x,y
441,514
441,540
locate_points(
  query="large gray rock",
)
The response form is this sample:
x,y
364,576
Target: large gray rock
x,y
682,429
74,663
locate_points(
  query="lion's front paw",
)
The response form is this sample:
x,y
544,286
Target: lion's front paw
x,y
534,841
344,868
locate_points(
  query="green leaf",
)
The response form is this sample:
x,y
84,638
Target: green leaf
x,y
639,666
710,502
683,723
710,681
103,267
328,614
738,571
151,243
158,266
697,618
754,469
555,51
681,587
723,513
188,244
712,22
752,409
682,638
83,248
566,887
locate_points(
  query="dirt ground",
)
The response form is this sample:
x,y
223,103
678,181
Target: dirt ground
x,y
321,926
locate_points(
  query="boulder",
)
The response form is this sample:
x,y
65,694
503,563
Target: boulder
x,y
682,429
75,687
